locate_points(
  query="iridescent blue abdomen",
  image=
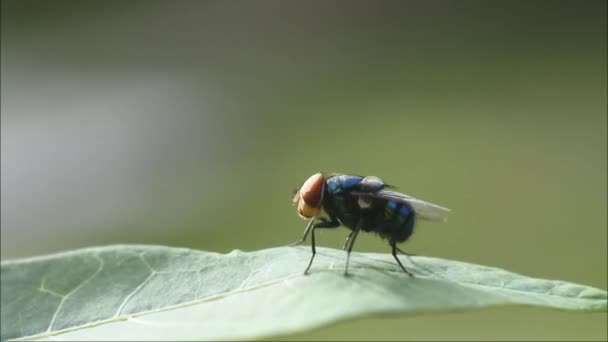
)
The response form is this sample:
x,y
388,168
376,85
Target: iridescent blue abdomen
x,y
395,221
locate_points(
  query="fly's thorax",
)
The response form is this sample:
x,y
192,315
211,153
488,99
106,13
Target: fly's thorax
x,y
341,206
365,202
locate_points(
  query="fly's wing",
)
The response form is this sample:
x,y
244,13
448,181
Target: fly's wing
x,y
423,209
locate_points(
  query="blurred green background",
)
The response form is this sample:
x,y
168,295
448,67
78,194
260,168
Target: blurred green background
x,y
189,123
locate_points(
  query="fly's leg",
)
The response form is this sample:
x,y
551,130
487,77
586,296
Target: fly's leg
x,y
404,253
347,240
314,251
324,223
394,247
306,231
350,246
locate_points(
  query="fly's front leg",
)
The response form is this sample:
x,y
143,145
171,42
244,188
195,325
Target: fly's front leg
x,y
327,222
324,223
306,231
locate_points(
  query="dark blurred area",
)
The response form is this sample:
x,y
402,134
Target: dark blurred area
x,y
189,123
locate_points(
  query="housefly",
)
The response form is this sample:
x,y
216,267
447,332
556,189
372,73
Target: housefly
x,y
360,204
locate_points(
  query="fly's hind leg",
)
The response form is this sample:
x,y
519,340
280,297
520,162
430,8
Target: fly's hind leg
x,y
404,253
394,252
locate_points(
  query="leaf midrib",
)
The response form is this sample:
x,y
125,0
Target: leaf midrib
x,y
166,308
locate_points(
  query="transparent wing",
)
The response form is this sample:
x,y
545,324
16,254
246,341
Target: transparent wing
x,y
425,210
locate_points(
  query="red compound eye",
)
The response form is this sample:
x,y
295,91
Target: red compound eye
x,y
311,191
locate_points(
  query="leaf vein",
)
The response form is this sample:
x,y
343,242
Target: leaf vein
x,y
83,283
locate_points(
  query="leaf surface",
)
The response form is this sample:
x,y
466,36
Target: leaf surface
x,y
139,292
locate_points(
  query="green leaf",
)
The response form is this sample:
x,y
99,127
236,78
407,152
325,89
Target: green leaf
x,y
151,292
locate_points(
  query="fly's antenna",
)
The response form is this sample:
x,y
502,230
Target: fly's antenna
x,y
293,193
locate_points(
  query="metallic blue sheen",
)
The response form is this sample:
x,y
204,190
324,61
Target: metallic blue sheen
x,y
390,219
339,184
392,204
406,210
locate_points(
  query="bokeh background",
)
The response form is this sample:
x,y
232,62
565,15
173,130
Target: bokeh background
x,y
189,123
